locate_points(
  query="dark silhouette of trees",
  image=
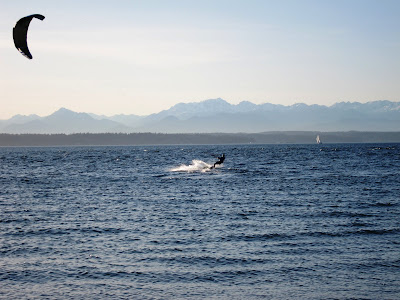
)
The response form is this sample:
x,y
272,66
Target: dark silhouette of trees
x,y
120,139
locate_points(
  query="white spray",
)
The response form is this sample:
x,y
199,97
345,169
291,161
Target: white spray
x,y
196,166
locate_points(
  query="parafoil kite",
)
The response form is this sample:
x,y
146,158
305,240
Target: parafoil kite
x,y
20,33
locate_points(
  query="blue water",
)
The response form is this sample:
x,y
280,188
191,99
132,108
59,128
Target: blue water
x,y
273,222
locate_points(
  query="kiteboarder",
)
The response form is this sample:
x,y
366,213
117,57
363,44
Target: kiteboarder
x,y
220,161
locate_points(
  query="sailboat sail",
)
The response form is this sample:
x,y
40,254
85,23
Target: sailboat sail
x,y
318,140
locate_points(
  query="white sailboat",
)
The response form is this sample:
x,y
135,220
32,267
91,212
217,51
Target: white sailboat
x,y
318,140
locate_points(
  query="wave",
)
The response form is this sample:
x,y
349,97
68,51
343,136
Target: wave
x,y
196,166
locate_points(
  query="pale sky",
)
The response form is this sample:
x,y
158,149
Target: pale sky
x,y
140,57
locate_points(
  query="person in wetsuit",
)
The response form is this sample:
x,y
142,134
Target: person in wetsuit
x,y
220,161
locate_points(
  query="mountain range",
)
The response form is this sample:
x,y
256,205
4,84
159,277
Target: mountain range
x,y
217,115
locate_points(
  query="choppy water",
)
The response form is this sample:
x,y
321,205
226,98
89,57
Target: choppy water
x,y
274,222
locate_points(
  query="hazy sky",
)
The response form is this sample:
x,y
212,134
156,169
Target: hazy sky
x,y
139,57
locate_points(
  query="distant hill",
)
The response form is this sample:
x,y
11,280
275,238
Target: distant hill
x,y
217,115
63,121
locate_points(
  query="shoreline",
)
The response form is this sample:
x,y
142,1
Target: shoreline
x,y
147,139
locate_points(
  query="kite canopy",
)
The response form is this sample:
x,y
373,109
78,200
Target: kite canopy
x,y
20,33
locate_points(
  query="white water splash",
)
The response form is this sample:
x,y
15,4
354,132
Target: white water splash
x,y
196,166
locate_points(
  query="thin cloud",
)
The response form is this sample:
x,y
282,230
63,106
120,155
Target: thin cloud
x,y
154,47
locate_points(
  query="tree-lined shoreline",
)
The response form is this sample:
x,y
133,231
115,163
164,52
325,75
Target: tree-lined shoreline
x,y
120,139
